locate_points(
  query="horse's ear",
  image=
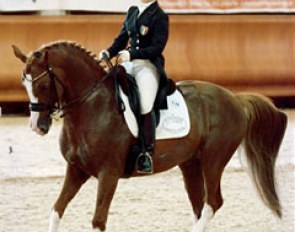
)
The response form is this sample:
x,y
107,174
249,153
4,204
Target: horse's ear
x,y
18,53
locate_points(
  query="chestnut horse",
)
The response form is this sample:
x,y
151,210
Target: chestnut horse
x,y
95,140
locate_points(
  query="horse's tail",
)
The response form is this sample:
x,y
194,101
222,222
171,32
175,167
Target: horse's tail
x,y
266,128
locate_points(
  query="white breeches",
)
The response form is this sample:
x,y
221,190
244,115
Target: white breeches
x,y
147,79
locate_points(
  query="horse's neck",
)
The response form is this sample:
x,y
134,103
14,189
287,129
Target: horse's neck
x,y
80,74
75,67
100,102
77,81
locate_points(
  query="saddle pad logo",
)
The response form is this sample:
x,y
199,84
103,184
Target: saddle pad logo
x,y
174,124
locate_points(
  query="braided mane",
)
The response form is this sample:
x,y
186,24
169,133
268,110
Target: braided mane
x,y
92,57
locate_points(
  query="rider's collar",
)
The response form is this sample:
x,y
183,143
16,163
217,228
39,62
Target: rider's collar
x,y
142,6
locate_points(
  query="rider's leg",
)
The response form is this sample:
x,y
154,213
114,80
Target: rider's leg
x,y
147,79
148,127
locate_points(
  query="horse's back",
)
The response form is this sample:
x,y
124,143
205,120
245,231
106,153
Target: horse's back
x,y
210,95
214,108
204,88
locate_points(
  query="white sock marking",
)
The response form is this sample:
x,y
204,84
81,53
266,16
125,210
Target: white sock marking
x,y
54,222
206,216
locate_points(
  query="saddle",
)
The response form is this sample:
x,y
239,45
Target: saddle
x,y
129,87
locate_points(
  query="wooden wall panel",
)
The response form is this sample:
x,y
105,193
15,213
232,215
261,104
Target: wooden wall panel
x,y
234,49
242,52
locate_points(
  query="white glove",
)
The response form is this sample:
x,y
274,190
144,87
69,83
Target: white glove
x,y
101,54
124,56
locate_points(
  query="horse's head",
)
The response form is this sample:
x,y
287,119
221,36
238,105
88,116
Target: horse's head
x,y
57,77
38,79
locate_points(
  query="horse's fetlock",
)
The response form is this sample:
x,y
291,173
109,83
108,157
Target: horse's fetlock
x,y
97,224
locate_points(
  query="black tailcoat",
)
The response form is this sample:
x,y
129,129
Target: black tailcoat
x,y
145,37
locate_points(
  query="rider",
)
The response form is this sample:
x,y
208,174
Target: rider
x,y
139,46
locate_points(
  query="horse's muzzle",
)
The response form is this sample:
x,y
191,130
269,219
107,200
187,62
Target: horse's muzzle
x,y
40,117
44,124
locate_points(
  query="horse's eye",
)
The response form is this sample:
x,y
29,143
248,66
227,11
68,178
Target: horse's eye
x,y
37,55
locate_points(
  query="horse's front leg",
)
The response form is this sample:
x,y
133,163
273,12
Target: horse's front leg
x,y
106,189
73,181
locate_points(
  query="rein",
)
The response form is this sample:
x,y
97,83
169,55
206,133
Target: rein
x,y
57,108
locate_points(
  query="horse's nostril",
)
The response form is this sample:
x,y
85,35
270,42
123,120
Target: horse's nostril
x,y
44,124
44,129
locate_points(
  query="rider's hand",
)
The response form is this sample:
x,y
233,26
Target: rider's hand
x,y
124,56
103,53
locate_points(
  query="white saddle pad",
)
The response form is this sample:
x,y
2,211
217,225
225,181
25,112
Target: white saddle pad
x,y
174,122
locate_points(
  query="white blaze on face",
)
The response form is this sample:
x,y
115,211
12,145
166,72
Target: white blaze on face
x,y
34,115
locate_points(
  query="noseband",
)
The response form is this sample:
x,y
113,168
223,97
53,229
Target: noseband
x,y
57,108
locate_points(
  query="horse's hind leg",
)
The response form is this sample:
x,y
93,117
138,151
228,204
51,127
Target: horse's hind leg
x,y
213,199
194,183
213,164
73,181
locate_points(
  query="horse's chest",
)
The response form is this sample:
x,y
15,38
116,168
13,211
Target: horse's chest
x,y
77,154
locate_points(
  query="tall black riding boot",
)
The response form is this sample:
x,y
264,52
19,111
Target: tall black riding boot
x,y
148,129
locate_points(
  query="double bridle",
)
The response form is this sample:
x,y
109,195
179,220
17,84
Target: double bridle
x,y
57,108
